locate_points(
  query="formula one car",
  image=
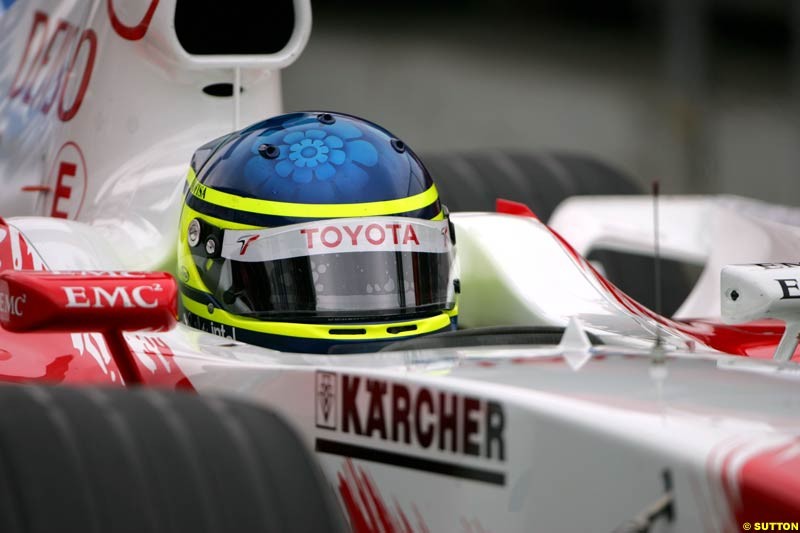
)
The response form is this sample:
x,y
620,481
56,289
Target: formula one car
x,y
561,403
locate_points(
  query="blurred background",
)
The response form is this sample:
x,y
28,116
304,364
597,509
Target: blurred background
x,y
703,95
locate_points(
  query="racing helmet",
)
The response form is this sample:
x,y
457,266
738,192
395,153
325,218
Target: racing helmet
x,y
315,232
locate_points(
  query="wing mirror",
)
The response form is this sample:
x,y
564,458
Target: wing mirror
x,y
86,301
764,290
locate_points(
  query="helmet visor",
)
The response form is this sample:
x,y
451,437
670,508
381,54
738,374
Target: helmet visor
x,y
338,268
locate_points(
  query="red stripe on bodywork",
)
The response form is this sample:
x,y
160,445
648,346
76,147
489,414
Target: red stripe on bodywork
x,y
366,508
766,487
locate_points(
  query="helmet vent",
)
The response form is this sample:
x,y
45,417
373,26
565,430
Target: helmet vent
x,y
347,331
193,233
213,248
398,145
269,151
394,330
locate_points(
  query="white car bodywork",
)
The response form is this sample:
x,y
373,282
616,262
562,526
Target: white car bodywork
x,y
523,438
139,114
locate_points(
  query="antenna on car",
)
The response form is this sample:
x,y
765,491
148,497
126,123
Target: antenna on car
x,y
656,262
658,369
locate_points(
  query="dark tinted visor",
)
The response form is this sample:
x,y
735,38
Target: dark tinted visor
x,y
357,284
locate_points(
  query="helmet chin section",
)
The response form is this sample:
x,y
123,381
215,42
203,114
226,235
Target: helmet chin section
x,y
330,339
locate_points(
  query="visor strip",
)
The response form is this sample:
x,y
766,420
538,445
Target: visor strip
x,y
287,209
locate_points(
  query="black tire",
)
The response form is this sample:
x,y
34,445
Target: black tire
x,y
472,181
101,460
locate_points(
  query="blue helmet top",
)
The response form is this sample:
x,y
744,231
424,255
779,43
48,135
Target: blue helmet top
x,y
313,158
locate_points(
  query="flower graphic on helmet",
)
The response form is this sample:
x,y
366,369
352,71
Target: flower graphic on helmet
x,y
310,153
320,162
